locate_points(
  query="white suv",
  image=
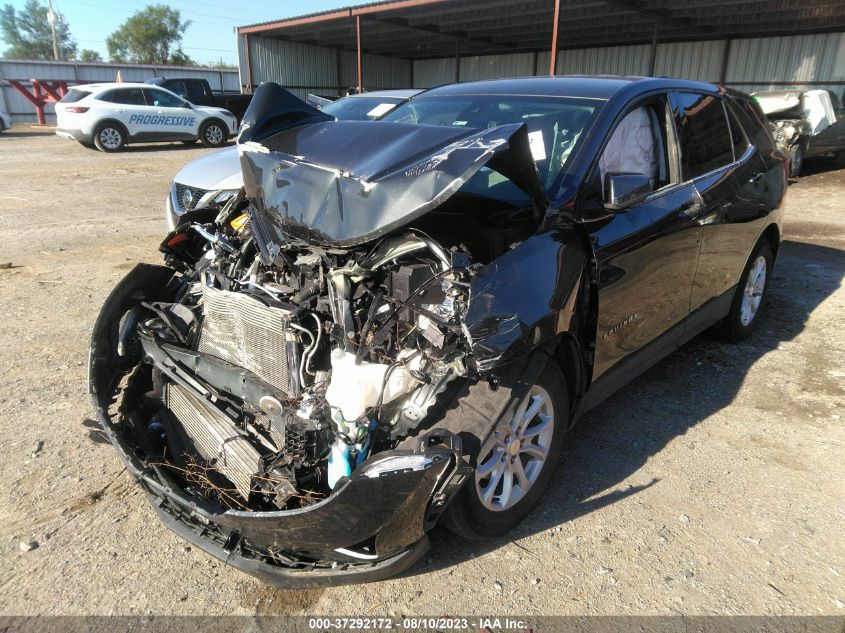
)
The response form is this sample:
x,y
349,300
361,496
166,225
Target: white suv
x,y
109,116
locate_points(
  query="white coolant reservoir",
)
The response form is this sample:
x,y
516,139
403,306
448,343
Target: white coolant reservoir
x,y
355,388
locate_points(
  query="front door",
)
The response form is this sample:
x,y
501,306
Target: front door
x,y
646,255
170,118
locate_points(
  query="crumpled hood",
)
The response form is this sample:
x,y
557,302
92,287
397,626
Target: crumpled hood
x,y
343,183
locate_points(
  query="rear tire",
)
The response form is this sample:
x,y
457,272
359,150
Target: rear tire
x,y
515,465
213,133
839,158
750,294
109,137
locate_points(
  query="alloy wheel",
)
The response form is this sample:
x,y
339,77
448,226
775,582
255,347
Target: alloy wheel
x,y
110,138
214,134
755,284
511,460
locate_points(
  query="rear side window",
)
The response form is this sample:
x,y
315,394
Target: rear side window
x,y
73,96
124,96
755,122
737,135
705,137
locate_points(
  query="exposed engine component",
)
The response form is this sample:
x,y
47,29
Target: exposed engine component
x,y
283,369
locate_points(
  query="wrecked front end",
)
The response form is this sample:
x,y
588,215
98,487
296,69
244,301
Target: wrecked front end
x,y
285,388
786,117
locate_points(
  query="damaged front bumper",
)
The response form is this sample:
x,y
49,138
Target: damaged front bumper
x,y
372,527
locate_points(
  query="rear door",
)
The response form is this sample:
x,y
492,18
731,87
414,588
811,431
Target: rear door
x,y
646,255
728,172
128,107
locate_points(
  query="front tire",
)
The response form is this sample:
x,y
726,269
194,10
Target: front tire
x,y
109,137
516,463
797,162
750,294
213,133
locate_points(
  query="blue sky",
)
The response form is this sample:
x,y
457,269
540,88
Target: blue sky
x,y
209,38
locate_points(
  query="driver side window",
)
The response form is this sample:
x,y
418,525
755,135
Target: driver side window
x,y
163,99
637,146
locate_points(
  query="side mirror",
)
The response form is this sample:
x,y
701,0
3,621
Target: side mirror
x,y
622,190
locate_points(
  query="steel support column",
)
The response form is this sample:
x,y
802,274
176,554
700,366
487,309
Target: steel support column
x,y
553,61
457,60
248,63
726,58
652,59
358,36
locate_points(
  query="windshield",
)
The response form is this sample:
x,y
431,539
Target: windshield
x,y
555,124
361,108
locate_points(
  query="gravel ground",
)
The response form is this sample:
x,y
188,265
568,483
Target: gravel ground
x,y
713,484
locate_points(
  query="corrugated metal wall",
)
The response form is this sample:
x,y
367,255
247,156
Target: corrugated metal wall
x,y
616,60
379,72
433,72
495,66
22,111
301,67
690,60
752,63
305,68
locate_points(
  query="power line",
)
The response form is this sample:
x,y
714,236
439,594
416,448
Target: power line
x,y
191,48
142,4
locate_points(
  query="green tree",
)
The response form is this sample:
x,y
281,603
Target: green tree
x,y
179,58
27,32
87,55
152,35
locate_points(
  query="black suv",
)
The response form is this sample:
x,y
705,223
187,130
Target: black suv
x,y
399,321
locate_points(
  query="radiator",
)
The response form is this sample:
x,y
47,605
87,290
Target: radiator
x,y
243,331
215,437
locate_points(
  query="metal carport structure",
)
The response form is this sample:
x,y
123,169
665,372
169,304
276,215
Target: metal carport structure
x,y
739,42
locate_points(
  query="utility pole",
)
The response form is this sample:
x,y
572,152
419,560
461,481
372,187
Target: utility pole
x,y
51,18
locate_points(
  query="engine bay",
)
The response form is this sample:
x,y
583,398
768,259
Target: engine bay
x,y
271,377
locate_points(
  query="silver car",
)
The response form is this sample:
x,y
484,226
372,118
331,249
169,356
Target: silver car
x,y
214,179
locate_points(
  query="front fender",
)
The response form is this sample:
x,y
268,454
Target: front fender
x,y
526,298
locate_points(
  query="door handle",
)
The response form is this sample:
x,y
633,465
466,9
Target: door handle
x,y
756,178
692,210
159,111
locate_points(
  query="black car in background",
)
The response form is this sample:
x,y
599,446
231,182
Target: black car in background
x,y
400,321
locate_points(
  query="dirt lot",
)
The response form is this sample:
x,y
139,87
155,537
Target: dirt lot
x,y
712,484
